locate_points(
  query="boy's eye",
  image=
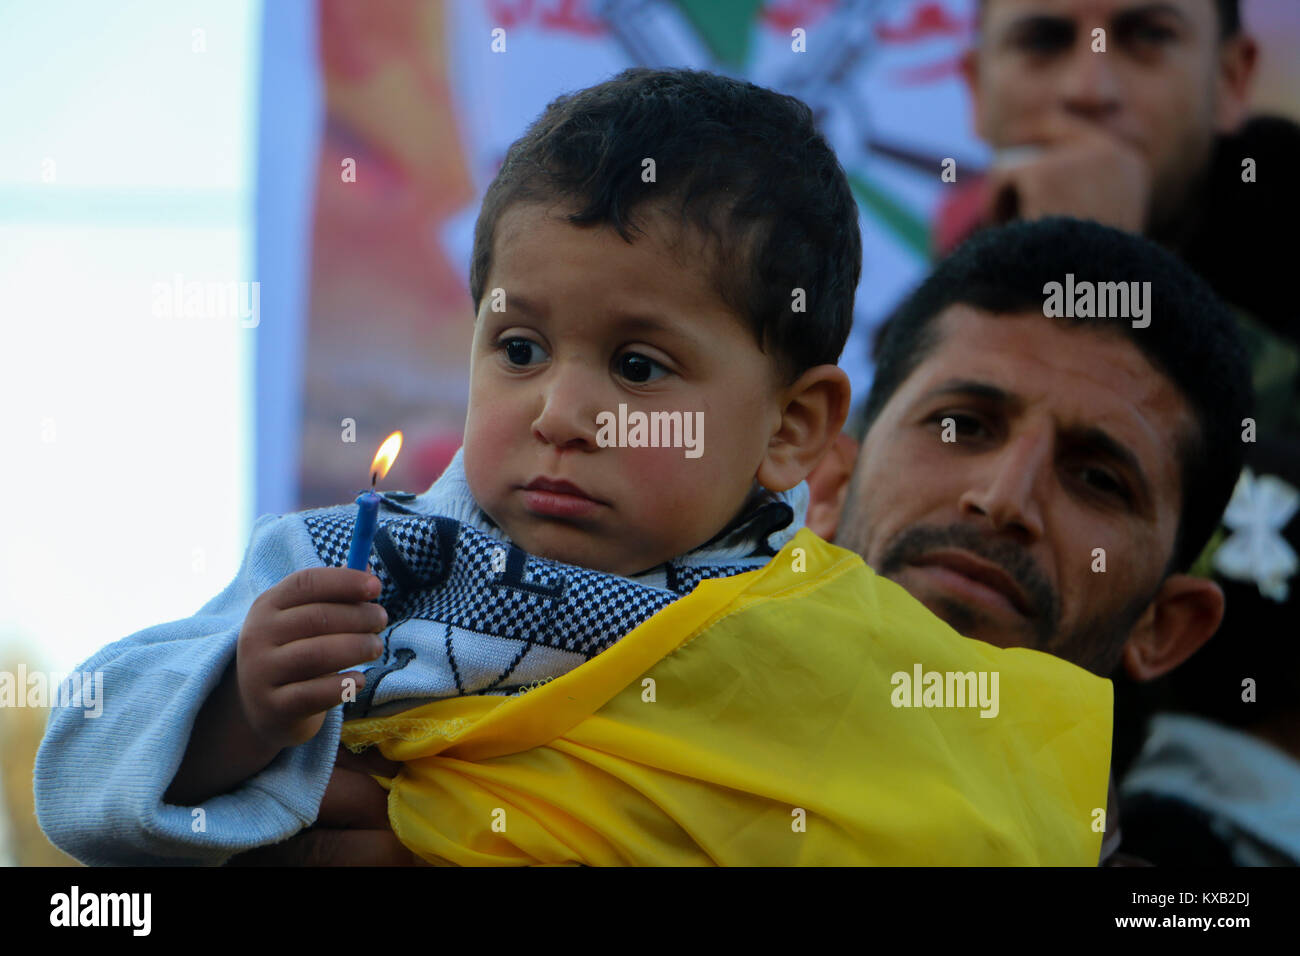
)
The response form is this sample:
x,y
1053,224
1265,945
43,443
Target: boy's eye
x,y
521,351
637,368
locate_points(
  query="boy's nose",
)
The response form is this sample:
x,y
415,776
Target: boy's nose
x,y
567,417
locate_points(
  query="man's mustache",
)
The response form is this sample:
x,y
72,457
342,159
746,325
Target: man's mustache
x,y
911,545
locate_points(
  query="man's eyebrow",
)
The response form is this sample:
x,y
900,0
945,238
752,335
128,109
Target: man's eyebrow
x,y
1021,24
1150,10
1095,439
1039,18
972,389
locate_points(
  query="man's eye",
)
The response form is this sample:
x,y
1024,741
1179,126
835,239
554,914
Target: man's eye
x,y
1147,34
637,368
1046,37
1105,482
521,351
967,425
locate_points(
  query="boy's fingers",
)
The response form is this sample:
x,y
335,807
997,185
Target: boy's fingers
x,y
320,656
313,585
315,620
308,698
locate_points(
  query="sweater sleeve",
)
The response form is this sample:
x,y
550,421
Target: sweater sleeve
x,y
100,777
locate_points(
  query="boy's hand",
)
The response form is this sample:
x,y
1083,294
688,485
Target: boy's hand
x,y
296,638
1071,167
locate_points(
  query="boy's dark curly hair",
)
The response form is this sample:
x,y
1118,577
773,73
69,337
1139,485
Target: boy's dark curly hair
x,y
743,165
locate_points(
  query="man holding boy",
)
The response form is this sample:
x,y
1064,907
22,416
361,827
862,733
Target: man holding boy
x,y
1084,465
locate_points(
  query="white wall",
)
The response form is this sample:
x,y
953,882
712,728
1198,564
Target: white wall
x,y
126,483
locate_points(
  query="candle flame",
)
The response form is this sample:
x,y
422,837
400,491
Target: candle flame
x,y
385,457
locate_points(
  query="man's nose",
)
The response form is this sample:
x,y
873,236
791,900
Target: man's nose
x,y
1007,490
567,416
1090,87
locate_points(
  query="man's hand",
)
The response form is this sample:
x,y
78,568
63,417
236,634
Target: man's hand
x,y
1071,167
352,828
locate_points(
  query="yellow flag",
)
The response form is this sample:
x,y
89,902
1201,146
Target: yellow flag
x,y
808,713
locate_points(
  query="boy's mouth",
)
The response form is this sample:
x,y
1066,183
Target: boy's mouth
x,y
552,498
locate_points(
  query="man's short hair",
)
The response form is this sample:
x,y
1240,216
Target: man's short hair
x,y
1229,12
742,164
1192,339
1229,17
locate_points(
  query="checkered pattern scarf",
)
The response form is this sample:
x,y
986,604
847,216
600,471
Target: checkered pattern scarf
x,y
470,613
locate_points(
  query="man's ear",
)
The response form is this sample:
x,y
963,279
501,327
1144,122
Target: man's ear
x,y
1184,615
970,72
1238,58
828,486
813,412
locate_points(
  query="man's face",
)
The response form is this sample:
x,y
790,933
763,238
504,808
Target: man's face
x,y
1156,86
1064,444
590,323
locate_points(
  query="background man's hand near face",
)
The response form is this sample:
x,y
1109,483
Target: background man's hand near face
x,y
1070,168
352,828
1123,98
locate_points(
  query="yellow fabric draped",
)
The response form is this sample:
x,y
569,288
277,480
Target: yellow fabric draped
x,y
754,723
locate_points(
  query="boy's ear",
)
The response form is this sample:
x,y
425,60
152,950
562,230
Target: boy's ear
x,y
1184,615
812,413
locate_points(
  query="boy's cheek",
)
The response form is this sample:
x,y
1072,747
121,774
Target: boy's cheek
x,y
658,471
668,488
488,442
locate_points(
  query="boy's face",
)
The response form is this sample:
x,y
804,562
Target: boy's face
x,y
590,323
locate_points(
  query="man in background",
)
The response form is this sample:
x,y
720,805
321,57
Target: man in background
x,y
1134,113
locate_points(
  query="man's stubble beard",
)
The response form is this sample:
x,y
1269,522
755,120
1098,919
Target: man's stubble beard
x,y
1095,644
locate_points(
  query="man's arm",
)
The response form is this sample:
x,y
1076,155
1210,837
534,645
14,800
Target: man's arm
x,y
353,827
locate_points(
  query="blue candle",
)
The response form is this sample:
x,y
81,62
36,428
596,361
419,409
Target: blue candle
x,y
363,531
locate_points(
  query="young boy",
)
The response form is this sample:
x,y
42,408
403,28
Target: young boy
x,y
663,272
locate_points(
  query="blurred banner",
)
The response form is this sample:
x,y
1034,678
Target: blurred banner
x,y
419,112
422,110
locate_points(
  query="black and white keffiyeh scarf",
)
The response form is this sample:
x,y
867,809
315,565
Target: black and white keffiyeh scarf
x,y
470,613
